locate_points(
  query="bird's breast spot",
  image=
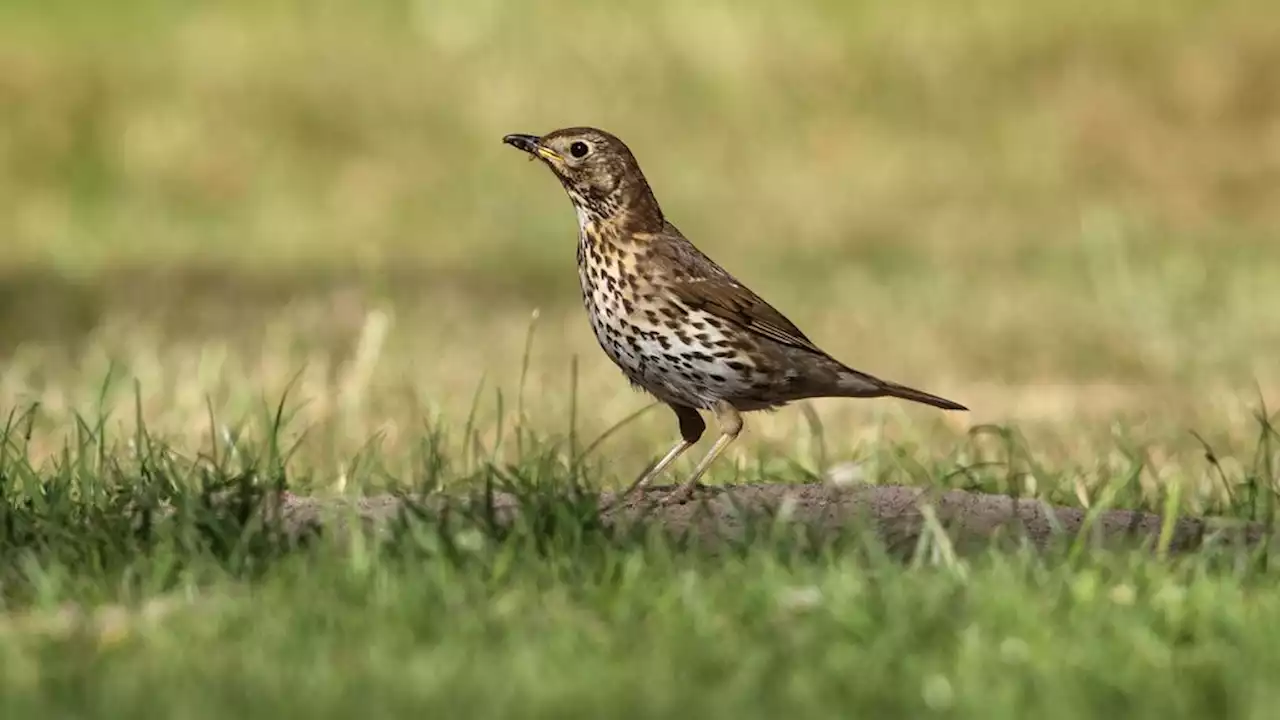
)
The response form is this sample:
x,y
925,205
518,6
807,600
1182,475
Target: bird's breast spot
x,y
688,358
585,223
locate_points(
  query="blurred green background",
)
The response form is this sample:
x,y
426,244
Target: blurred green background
x,y
1060,213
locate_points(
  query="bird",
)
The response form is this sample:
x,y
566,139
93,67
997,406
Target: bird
x,y
678,325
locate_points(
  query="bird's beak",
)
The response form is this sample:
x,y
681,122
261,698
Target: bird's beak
x,y
531,145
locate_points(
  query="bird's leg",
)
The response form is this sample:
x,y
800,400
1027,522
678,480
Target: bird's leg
x,y
730,427
648,475
691,428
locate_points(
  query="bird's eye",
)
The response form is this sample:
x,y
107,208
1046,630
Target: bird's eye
x,y
578,149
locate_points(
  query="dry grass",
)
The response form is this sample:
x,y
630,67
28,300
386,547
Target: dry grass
x,y
1064,218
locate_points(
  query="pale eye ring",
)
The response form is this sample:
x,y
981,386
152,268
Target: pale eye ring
x,y
578,149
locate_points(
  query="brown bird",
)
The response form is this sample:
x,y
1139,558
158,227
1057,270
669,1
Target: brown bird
x,y
678,325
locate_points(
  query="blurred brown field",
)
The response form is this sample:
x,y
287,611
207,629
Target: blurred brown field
x,y
1066,215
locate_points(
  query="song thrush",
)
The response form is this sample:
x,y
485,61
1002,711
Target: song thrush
x,y
678,325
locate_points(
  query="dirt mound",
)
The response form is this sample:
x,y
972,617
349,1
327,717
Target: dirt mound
x,y
898,515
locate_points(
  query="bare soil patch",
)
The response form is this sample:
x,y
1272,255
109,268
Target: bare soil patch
x,y
898,515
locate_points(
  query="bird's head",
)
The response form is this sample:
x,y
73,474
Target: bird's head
x,y
598,172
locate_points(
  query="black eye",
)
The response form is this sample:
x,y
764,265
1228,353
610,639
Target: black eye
x,y
578,149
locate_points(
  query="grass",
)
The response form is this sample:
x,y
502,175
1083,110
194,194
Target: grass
x,y
634,635
115,607
1063,217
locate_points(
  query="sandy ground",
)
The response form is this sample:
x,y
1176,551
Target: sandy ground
x,y
898,515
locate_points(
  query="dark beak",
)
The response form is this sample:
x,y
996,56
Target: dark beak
x,y
532,145
527,143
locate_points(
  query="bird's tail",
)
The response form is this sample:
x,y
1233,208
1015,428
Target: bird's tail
x,y
856,384
920,396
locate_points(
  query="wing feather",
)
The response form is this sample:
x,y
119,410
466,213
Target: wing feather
x,y
703,285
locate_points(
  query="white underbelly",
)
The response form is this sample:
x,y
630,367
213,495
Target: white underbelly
x,y
684,371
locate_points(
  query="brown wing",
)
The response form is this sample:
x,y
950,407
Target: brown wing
x,y
703,285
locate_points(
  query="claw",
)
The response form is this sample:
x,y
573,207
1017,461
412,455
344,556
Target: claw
x,y
682,494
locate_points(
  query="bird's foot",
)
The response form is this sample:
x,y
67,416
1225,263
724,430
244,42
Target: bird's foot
x,y
684,494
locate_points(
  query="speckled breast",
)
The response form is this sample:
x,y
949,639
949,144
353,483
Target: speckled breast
x,y
679,356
